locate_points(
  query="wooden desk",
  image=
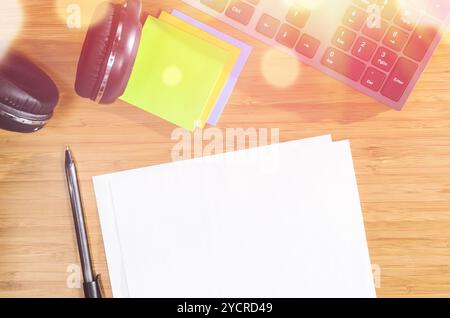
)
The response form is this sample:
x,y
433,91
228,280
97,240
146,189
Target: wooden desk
x,y
402,161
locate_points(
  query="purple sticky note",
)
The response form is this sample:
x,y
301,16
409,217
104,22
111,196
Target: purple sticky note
x,y
237,69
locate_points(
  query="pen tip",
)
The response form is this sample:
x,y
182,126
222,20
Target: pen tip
x,y
68,154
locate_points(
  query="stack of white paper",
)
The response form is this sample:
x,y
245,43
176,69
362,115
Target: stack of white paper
x,y
278,221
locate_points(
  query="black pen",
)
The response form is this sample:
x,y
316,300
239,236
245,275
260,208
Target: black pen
x,y
90,282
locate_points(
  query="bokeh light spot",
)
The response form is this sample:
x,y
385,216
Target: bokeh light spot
x,y
11,19
279,69
172,76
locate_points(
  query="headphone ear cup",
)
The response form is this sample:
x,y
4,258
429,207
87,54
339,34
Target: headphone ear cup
x,y
26,88
125,51
96,49
28,96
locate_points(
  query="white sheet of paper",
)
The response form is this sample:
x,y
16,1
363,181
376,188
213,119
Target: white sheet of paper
x,y
276,221
108,219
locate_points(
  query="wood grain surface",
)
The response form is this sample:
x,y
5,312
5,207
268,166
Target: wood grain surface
x,y
402,159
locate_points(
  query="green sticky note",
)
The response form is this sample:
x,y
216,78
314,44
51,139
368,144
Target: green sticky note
x,y
232,51
174,74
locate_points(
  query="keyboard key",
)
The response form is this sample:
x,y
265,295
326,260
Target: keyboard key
x,y
288,36
384,59
364,48
308,46
375,32
268,25
218,5
344,38
343,64
354,18
240,12
407,19
399,79
298,16
373,79
396,38
420,41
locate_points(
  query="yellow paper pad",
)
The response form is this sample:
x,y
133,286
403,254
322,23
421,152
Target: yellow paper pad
x,y
175,74
233,55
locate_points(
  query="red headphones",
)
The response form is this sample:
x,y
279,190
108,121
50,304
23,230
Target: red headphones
x,y
28,96
109,52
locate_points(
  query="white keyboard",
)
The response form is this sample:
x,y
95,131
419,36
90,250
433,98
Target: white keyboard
x,y
379,47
